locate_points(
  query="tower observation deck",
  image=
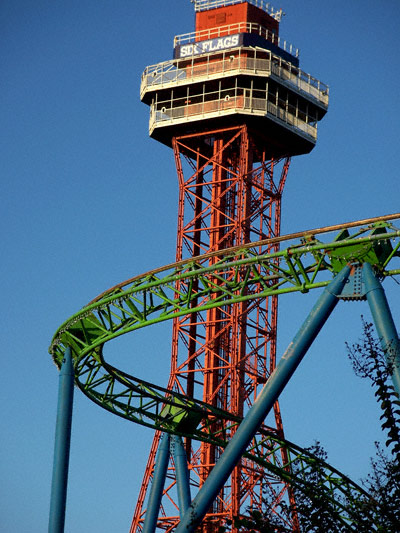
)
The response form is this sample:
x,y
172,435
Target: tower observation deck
x,y
233,69
234,106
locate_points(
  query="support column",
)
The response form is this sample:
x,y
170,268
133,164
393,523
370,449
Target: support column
x,y
263,404
157,486
62,445
182,473
383,321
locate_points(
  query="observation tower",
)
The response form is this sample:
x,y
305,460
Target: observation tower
x,y
234,106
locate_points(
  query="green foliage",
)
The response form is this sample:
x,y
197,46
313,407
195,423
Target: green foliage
x,y
369,361
314,507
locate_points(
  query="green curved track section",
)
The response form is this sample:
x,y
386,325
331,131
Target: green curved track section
x,y
239,274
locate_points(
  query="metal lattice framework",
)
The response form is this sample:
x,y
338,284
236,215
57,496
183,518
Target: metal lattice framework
x,y
234,115
230,194
236,276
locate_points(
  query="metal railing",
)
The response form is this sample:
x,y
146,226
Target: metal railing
x,y
302,81
204,5
260,62
228,102
231,29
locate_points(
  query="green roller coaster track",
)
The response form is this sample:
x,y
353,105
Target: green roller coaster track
x,y
238,274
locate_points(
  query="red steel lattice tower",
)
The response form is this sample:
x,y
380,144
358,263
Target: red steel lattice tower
x,y
234,106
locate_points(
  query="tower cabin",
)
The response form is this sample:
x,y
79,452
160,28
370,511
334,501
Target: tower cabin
x,y
235,69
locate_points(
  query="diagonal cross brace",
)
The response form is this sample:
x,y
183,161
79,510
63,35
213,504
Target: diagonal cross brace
x,y
264,403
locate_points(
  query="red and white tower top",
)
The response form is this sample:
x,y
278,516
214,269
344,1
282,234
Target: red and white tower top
x,y
235,68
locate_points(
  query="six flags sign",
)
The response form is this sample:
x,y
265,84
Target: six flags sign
x,y
212,45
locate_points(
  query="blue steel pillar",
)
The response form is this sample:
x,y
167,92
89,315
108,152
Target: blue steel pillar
x,y
157,486
182,474
383,322
62,445
263,404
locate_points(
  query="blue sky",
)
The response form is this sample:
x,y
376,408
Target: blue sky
x,y
88,200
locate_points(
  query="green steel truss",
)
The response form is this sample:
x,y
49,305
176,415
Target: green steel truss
x,y
239,274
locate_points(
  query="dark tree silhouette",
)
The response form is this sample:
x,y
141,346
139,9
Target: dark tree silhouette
x,y
370,361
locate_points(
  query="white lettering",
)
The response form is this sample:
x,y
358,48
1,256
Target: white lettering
x,y
209,46
235,40
186,50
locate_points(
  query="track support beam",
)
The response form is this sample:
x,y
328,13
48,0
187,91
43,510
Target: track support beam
x,y
264,403
182,474
62,445
157,486
383,321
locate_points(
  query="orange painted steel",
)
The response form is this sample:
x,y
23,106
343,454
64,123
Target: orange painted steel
x,y
229,195
232,137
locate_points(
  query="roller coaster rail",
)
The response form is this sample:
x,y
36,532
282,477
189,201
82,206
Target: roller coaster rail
x,y
304,264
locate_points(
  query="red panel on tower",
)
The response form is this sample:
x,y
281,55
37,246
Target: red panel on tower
x,y
238,13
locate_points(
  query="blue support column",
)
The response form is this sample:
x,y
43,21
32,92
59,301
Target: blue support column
x,y
157,486
182,474
62,445
383,322
263,404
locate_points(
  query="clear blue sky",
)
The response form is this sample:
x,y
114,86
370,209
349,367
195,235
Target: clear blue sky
x,y
88,200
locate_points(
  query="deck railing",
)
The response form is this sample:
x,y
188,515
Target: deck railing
x,y
260,63
232,29
228,102
204,5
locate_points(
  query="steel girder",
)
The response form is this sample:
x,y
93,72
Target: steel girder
x,y
236,277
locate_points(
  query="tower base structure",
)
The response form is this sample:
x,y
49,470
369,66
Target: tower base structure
x,y
229,194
